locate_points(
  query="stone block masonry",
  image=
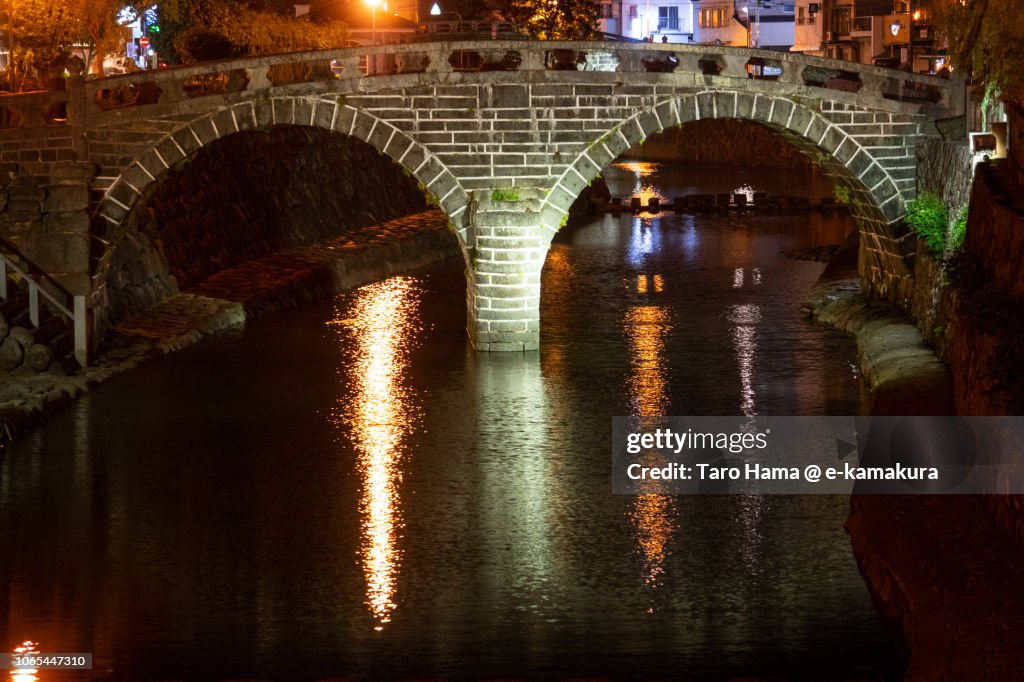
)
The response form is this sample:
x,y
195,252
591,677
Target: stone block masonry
x,y
467,142
538,130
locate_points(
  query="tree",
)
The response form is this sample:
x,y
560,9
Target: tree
x,y
250,33
97,23
553,19
200,18
985,38
41,29
204,30
44,29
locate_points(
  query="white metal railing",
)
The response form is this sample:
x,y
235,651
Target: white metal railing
x,y
77,315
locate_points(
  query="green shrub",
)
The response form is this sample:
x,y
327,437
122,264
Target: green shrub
x,y
505,195
842,193
928,217
959,230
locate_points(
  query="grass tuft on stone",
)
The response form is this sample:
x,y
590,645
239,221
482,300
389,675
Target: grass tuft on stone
x,y
928,217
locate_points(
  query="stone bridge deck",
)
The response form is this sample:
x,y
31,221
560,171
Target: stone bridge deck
x,y
535,121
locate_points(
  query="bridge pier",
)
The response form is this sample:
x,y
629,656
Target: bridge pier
x,y
507,246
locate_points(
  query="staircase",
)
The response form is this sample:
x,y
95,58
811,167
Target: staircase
x,y
43,328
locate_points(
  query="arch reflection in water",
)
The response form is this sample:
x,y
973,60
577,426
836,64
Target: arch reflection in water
x,y
654,517
521,495
380,413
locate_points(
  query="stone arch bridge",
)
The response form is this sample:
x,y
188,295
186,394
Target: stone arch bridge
x,y
503,135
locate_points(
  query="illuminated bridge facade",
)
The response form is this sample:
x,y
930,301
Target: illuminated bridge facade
x,y
503,135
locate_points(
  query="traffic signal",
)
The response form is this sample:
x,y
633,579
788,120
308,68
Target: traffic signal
x,y
154,28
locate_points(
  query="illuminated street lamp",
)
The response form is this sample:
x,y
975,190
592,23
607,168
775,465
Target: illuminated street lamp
x,y
372,59
10,43
373,19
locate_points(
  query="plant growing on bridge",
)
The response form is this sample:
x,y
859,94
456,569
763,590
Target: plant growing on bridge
x,y
842,193
504,195
958,231
928,217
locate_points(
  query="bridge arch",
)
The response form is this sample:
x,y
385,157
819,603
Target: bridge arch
x,y
876,202
150,168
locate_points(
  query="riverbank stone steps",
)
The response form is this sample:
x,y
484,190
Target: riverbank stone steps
x,y
902,373
228,299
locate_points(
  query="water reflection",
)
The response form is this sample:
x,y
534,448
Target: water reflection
x,y
281,539
519,498
643,172
744,319
26,648
654,284
380,414
644,241
654,517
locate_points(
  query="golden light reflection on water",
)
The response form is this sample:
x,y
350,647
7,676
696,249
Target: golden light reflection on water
x,y
642,170
646,327
26,648
382,324
654,517
649,283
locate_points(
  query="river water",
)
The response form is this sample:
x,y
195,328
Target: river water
x,y
349,490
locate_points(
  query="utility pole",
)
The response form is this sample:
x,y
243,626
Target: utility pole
x,y
757,19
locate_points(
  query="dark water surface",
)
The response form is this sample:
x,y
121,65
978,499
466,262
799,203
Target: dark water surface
x,y
348,489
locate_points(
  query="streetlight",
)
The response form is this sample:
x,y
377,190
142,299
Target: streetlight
x,y
372,59
10,43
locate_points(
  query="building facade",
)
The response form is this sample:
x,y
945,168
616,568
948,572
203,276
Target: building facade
x,y
658,20
893,33
768,24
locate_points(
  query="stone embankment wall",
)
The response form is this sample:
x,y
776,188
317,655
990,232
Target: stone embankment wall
x,y
924,572
246,196
968,306
37,213
46,218
945,170
987,339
